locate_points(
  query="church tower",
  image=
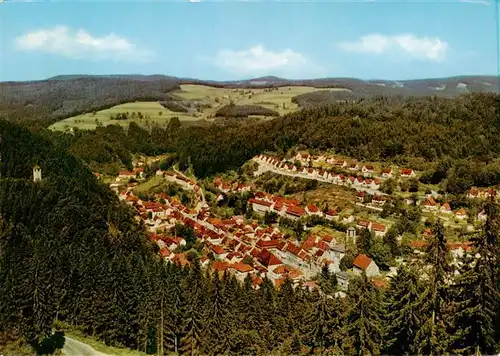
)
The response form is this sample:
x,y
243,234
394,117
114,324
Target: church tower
x,y
37,173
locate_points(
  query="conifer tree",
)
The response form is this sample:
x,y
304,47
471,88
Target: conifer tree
x,y
475,295
402,312
192,334
364,326
322,327
432,337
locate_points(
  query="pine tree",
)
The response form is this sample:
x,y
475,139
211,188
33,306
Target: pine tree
x,y
364,326
432,337
401,312
322,327
475,295
192,333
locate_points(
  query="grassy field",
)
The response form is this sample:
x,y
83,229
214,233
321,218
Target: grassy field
x,y
213,98
334,196
150,110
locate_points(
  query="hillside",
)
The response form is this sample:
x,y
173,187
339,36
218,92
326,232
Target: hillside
x,y
47,101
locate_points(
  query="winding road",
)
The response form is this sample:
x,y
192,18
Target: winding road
x,y
74,347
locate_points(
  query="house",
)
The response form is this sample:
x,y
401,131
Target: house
x,y
445,208
363,263
461,214
473,193
241,270
125,175
386,173
407,173
331,215
313,210
360,196
294,212
379,229
260,206
368,170
379,200
430,204
364,224
354,167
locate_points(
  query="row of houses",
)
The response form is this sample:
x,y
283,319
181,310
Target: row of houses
x,y
431,205
367,169
476,193
288,208
233,187
319,174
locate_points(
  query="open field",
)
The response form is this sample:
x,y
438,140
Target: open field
x,y
334,196
211,99
150,110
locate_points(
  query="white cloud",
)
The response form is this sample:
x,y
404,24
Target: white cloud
x,y
422,48
258,60
194,0
80,44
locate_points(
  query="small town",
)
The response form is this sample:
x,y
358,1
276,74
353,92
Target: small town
x,y
255,245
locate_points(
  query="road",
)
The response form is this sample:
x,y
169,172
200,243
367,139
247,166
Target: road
x,y
74,347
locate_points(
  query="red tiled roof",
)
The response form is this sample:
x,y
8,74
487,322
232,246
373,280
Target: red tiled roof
x,y
332,213
312,208
260,202
446,207
220,265
362,261
295,210
461,212
406,171
379,227
242,267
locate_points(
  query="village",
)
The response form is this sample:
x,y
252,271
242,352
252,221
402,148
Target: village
x,y
246,246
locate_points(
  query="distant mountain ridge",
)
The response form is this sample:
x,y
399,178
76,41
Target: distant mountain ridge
x,y
446,86
62,96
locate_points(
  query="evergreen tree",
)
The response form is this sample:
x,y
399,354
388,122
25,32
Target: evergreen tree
x,y
475,295
402,314
432,337
322,326
364,326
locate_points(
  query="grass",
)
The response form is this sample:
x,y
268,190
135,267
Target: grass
x,y
101,347
148,185
151,109
331,194
279,100
74,333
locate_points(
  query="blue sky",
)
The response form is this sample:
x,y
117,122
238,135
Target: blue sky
x,y
243,39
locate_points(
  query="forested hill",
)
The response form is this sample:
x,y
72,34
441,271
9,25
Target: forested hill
x,y
67,247
410,131
45,102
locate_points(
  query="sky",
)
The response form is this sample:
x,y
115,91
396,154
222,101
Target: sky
x,y
239,39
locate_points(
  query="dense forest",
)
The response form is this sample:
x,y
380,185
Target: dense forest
x,y
454,142
233,110
70,252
